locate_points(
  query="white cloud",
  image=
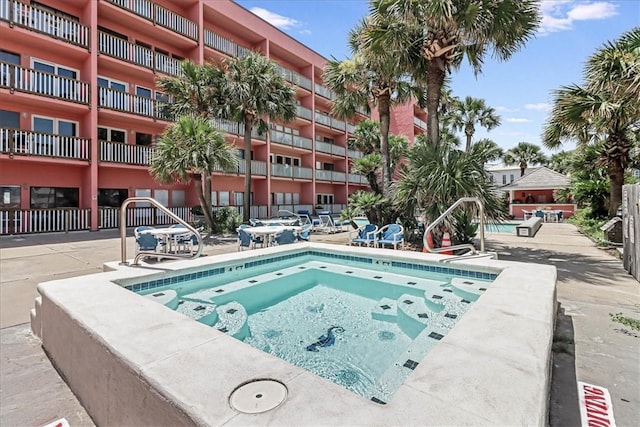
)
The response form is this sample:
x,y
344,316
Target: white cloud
x,y
506,109
517,120
559,15
279,21
541,106
305,32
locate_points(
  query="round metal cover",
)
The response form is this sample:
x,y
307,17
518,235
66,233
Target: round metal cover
x,y
258,396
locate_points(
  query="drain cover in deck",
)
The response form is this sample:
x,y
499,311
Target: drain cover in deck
x,y
258,396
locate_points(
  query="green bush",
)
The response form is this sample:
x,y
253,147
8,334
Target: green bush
x,y
226,220
588,225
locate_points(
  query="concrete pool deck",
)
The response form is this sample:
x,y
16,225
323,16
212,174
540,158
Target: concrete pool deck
x,y
591,284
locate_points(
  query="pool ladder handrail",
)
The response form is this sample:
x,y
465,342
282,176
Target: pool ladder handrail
x,y
157,204
446,213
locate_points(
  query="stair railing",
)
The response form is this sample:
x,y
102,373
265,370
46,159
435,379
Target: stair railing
x,y
141,254
446,213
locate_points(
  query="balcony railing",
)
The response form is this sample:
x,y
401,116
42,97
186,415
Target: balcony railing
x,y
351,128
167,65
236,128
160,16
223,44
295,78
324,92
420,123
355,154
30,143
329,121
113,99
330,148
43,21
291,140
137,216
23,221
289,171
357,179
304,112
28,80
257,168
333,176
130,154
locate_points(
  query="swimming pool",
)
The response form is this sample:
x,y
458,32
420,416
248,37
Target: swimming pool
x,y
500,228
365,329
132,361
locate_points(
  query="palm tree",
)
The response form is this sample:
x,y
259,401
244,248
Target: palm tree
x,y
255,89
467,113
561,162
523,155
192,148
442,32
372,74
605,108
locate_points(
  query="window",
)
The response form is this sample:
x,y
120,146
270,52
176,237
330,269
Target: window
x,y
112,197
504,179
223,198
143,138
113,94
324,199
143,54
111,134
511,178
144,101
10,197
177,198
492,178
9,76
45,141
54,197
238,198
327,166
214,198
9,119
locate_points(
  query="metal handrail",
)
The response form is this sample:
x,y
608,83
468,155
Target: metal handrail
x,y
441,218
157,204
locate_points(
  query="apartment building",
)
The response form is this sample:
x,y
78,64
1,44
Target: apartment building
x,y
80,111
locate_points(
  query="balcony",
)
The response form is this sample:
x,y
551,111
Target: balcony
x,y
304,112
45,22
333,176
257,168
288,171
324,147
329,121
117,100
420,123
294,78
324,92
17,78
129,154
357,179
160,16
223,44
235,128
355,154
30,143
351,128
291,140
122,49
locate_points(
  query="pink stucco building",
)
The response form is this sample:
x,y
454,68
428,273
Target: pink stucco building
x,y
80,111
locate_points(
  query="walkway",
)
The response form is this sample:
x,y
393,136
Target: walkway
x,y
589,347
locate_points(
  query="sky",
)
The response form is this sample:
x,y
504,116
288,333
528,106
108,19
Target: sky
x,y
520,89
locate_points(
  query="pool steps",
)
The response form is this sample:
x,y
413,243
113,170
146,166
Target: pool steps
x,y
232,320
468,288
385,310
413,315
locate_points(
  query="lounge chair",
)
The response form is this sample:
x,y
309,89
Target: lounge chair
x,y
287,236
305,233
364,235
304,217
327,224
390,234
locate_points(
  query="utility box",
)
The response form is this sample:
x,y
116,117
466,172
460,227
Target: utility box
x,y
613,230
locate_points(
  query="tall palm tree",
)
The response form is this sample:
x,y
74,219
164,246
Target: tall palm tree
x,y
524,154
373,74
254,89
561,161
605,108
442,32
197,91
470,111
192,148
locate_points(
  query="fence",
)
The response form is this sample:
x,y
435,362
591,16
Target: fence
x,y
631,229
25,221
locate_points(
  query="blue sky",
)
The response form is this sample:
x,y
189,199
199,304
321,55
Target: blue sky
x,y
519,89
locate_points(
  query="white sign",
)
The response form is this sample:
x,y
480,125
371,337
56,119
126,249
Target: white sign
x,y
632,231
6,198
595,406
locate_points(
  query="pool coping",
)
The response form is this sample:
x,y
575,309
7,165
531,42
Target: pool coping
x,y
492,368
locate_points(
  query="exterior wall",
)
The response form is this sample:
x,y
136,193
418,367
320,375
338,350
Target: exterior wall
x,y
110,41
568,210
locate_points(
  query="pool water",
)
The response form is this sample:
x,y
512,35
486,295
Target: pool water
x,y
500,228
365,329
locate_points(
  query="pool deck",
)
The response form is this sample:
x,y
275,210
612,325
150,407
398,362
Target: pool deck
x,y
591,284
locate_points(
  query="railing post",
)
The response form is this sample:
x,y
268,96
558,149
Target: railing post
x,y
66,221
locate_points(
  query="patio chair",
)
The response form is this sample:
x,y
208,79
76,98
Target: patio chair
x,y
305,233
390,234
527,214
182,242
146,242
364,235
287,236
539,214
304,217
245,240
327,223
256,240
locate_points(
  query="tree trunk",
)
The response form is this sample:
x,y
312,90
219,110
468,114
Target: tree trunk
x,y
469,131
523,167
616,177
435,80
206,210
207,195
246,200
384,109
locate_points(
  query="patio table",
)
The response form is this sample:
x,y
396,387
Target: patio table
x,y
168,235
269,232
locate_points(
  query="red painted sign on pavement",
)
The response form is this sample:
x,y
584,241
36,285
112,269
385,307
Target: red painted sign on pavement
x,y
595,406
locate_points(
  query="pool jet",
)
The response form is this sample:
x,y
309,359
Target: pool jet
x,y
326,340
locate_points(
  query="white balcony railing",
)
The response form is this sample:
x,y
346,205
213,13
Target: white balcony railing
x,y
44,21
223,44
355,154
324,92
295,78
160,16
113,99
130,154
291,140
167,65
304,112
29,80
24,221
323,119
30,143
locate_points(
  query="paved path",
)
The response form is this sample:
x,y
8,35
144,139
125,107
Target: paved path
x,y
588,345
